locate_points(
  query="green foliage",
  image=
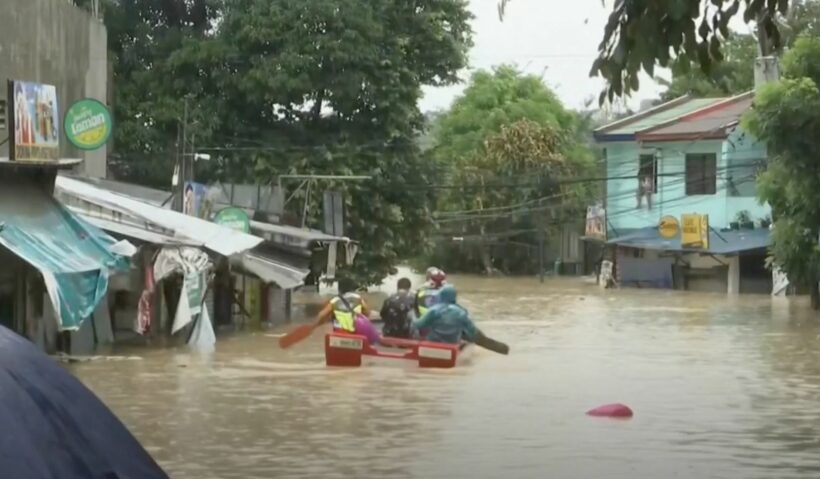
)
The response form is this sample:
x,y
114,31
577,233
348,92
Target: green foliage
x,y
641,34
283,86
785,116
507,141
734,75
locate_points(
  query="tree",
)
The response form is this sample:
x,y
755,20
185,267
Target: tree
x,y
282,86
505,142
785,116
734,75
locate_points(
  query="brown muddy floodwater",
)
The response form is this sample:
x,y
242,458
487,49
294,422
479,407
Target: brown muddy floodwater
x,y
721,388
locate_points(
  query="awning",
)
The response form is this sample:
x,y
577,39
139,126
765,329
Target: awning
x,y
217,238
720,242
73,256
271,270
135,232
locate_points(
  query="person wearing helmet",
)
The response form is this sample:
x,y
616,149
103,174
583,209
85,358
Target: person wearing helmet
x,y
348,312
447,322
426,296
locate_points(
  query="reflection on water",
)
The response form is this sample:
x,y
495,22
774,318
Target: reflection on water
x,y
721,387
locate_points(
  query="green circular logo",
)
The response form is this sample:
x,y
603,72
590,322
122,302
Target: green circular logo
x,y
234,218
88,124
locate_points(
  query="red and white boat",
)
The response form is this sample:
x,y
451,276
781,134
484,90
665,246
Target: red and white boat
x,y
351,350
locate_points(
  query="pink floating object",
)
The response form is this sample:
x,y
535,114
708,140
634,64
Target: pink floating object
x,y
611,410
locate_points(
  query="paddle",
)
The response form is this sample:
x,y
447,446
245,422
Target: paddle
x,y
299,333
491,344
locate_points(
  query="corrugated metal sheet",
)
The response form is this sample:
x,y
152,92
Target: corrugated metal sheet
x,y
662,116
271,271
724,242
627,128
713,121
220,239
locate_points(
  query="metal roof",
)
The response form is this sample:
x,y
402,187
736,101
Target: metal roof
x,y
271,270
625,129
217,238
720,242
708,122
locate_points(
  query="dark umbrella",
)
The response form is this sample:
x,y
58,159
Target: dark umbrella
x,y
52,426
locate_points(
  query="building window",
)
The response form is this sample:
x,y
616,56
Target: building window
x,y
701,174
648,172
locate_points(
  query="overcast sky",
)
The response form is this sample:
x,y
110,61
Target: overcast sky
x,y
558,38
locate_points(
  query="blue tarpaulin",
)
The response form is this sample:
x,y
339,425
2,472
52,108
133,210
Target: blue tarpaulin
x,y
73,256
54,427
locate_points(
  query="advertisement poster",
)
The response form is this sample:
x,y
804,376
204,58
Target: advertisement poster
x,y
194,200
695,231
596,222
87,124
35,121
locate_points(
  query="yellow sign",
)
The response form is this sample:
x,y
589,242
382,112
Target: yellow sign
x,y
668,227
695,231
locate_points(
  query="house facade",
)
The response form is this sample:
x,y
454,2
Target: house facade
x,y
686,157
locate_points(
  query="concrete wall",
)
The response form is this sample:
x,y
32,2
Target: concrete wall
x,y
733,156
54,42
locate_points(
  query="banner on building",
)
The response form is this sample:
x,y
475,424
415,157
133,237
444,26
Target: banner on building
x,y
694,231
596,222
34,122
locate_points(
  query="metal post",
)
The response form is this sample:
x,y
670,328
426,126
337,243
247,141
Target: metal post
x,y
541,253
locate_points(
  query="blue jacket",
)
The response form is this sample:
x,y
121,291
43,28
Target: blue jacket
x,y
447,322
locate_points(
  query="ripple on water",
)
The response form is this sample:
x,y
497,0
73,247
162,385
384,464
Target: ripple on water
x,y
721,388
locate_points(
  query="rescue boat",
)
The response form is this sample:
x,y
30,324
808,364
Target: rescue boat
x,y
344,349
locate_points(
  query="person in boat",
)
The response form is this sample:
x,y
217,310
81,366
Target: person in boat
x,y
349,313
426,296
447,322
397,311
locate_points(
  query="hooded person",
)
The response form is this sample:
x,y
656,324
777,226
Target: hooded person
x,y
447,322
427,295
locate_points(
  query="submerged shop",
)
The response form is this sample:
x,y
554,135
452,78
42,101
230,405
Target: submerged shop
x,y
57,266
688,254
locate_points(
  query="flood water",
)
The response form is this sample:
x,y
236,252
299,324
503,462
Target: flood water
x,y
721,388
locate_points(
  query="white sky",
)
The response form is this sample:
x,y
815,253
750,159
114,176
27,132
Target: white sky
x,y
556,38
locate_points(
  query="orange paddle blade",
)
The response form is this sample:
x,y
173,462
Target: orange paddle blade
x,y
299,333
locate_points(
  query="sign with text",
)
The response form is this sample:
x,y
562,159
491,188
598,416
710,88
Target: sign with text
x,y
34,122
87,124
695,231
234,218
668,227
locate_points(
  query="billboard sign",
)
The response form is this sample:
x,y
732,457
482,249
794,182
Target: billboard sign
x,y
87,124
34,121
695,231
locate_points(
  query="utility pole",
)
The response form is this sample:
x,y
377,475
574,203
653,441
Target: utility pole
x,y
181,178
541,234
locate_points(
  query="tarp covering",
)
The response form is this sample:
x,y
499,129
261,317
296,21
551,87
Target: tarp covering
x,y
73,256
54,427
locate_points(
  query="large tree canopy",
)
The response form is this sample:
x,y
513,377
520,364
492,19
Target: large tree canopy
x,y
505,142
275,87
